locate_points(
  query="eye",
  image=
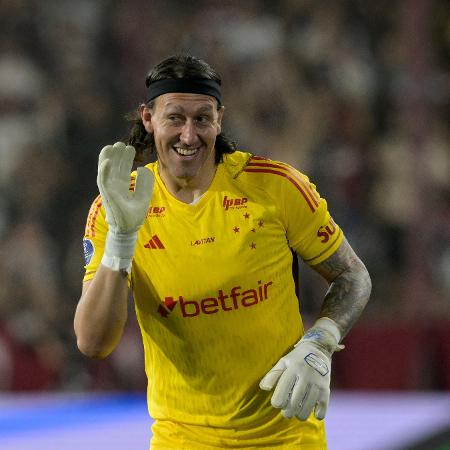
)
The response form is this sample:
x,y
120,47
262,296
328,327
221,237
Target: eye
x,y
203,119
174,118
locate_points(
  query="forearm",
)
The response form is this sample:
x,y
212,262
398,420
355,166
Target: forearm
x,y
349,290
101,313
347,297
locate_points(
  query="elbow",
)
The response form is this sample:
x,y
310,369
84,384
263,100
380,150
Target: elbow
x,y
365,281
92,351
369,284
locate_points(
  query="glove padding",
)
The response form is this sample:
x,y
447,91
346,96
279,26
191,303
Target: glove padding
x,y
302,377
125,210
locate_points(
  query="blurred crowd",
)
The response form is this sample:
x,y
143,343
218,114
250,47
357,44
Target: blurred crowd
x,y
355,94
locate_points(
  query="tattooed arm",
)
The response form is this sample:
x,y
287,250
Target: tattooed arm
x,y
349,289
302,377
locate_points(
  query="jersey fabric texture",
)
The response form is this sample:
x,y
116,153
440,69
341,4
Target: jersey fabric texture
x,y
215,299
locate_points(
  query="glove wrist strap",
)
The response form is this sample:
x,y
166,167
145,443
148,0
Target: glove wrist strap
x,y
325,335
329,325
119,250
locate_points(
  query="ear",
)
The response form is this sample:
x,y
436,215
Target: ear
x,y
146,117
220,112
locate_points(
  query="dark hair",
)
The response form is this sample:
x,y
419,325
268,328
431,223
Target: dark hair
x,y
177,66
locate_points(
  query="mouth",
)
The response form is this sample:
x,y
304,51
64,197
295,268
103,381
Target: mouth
x,y
186,152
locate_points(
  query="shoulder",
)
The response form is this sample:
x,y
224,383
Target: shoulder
x,y
281,179
240,162
271,172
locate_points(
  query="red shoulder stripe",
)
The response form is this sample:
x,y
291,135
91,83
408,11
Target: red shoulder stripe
x,y
306,185
312,204
302,179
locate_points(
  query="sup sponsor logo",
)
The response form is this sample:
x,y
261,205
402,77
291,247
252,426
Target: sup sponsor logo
x,y
88,248
207,240
237,298
156,211
234,203
327,231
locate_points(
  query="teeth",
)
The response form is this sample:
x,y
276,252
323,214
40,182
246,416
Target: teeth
x,y
186,152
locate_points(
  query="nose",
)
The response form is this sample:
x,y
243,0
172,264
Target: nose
x,y
188,134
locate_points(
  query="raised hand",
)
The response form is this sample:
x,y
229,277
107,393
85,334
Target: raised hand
x,y
125,210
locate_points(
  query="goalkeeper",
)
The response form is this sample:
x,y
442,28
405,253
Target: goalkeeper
x,y
204,238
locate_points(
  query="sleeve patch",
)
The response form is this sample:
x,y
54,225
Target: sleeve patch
x,y
88,247
327,231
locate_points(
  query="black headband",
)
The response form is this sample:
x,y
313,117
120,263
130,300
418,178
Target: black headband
x,y
185,85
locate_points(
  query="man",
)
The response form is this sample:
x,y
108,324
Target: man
x,y
204,237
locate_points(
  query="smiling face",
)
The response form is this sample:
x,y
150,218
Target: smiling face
x,y
184,127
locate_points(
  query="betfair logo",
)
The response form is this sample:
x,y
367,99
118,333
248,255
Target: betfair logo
x,y
154,243
231,301
167,306
234,202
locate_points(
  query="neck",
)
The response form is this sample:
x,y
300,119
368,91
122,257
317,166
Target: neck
x,y
187,190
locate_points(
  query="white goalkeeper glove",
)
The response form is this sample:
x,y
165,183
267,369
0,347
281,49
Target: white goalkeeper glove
x,y
125,210
302,377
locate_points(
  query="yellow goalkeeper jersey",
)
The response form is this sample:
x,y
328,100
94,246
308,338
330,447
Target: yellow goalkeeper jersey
x,y
215,299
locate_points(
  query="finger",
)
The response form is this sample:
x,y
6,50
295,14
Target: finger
x,y
106,153
127,155
283,391
270,379
117,154
322,405
112,153
306,405
144,184
299,392
104,172
119,146
120,161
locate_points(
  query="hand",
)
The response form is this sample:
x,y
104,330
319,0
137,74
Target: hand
x,y
302,377
125,210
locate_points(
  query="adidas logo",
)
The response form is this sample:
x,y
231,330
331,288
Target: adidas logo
x,y
154,243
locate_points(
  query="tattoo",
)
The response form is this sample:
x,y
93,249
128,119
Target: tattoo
x,y
349,290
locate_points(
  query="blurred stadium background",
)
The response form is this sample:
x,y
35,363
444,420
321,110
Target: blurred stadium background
x,y
354,93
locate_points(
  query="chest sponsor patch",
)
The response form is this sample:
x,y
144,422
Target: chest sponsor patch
x,y
156,211
234,203
224,301
88,248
